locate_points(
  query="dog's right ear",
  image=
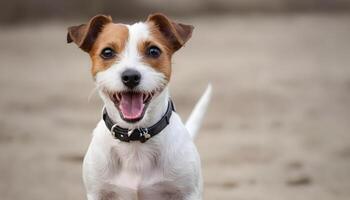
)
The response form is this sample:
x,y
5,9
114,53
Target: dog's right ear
x,y
84,35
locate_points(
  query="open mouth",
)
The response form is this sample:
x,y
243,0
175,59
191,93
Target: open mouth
x,y
131,104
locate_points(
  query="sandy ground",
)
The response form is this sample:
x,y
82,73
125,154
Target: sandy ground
x,y
277,128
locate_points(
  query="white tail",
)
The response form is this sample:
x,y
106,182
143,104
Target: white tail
x,y
194,121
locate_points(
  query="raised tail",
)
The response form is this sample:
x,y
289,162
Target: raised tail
x,y
195,120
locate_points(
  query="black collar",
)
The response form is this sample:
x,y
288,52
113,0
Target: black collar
x,y
139,134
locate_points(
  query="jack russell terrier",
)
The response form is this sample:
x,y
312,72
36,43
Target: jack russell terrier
x,y
140,149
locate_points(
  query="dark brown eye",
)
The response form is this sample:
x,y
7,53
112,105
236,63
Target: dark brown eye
x,y
107,53
153,52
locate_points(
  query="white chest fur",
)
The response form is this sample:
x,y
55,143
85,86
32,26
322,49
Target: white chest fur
x,y
165,167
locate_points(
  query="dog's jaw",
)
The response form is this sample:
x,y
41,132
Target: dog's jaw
x,y
156,109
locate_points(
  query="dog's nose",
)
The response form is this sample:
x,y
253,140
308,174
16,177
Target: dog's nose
x,y
131,78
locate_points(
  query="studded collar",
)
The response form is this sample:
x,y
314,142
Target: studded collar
x,y
138,134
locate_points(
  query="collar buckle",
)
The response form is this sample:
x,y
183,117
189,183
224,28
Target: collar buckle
x,y
113,131
125,137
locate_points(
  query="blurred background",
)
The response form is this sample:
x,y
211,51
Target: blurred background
x,y
278,125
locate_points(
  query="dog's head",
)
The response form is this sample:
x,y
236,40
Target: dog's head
x,y
131,64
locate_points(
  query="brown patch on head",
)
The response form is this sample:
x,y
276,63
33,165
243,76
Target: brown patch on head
x,y
168,36
97,34
112,36
84,35
163,62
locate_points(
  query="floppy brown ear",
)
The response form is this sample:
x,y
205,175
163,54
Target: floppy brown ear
x,y
177,33
84,35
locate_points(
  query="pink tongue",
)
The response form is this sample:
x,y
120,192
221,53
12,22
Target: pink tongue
x,y
131,105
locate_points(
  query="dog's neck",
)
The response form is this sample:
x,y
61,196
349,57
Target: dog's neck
x,y
156,109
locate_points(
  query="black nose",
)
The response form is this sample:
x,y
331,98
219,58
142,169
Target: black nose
x,y
131,78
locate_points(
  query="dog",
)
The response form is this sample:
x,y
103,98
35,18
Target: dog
x,y
140,149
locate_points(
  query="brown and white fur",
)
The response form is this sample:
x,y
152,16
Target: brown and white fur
x,y
168,165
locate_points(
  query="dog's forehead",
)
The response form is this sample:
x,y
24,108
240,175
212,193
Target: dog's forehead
x,y
138,31
134,33
130,35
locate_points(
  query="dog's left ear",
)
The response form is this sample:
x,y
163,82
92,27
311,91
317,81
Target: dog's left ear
x,y
84,35
177,33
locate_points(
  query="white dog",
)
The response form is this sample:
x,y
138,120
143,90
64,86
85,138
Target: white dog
x,y
140,149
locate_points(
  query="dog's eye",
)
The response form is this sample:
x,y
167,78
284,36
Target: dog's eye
x,y
154,52
107,53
